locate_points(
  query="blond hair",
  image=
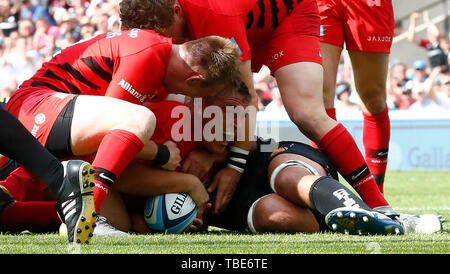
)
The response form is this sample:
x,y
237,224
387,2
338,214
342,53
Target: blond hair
x,y
219,57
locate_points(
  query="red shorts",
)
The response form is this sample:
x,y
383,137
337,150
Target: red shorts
x,y
295,40
37,109
364,25
24,186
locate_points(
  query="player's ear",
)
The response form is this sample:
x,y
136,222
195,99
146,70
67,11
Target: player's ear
x,y
195,79
177,10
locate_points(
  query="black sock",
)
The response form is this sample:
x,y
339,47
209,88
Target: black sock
x,y
327,194
17,143
379,178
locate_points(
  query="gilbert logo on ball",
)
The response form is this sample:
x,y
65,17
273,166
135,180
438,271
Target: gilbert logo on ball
x,y
170,213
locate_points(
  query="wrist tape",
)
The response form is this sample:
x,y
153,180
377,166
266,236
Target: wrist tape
x,y
162,156
237,159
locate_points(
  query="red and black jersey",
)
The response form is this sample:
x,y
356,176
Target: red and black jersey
x,y
249,22
128,65
166,126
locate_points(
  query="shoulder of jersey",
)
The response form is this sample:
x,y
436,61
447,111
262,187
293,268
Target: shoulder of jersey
x,y
135,40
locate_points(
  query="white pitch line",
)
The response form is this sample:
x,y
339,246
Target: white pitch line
x,y
423,208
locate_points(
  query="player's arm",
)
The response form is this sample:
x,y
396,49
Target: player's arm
x,y
139,75
166,155
200,161
144,180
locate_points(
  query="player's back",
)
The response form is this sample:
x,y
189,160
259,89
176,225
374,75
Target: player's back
x,y
87,67
260,17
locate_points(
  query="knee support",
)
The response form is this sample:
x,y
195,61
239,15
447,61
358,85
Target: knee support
x,y
290,163
250,216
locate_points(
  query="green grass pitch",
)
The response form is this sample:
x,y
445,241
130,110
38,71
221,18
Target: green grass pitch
x,y
417,192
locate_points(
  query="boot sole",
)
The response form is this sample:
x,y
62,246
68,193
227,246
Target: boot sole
x,y
355,221
85,225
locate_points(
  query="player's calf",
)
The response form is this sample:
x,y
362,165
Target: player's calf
x,y
273,213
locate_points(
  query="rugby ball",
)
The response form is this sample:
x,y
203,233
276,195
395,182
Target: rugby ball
x,y
170,212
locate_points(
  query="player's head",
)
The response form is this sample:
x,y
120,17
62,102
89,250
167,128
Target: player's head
x,y
203,67
163,16
236,103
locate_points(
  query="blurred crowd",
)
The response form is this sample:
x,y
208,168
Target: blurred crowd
x,y
31,31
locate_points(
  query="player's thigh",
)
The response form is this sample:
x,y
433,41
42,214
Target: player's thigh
x,y
301,86
273,213
295,60
370,73
94,116
292,182
331,55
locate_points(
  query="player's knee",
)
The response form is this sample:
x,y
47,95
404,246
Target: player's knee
x,y
373,97
139,120
149,122
300,117
375,104
267,216
285,179
311,121
263,219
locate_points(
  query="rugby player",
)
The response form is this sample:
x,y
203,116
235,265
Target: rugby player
x,y
284,35
366,27
89,98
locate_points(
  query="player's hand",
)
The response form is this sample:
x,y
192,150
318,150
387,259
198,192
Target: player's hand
x,y
200,196
200,223
175,158
197,163
225,183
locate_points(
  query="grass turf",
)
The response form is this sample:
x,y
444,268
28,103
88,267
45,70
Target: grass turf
x,y
416,192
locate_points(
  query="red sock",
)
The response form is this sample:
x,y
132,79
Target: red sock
x,y
332,114
339,146
115,152
32,215
376,135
